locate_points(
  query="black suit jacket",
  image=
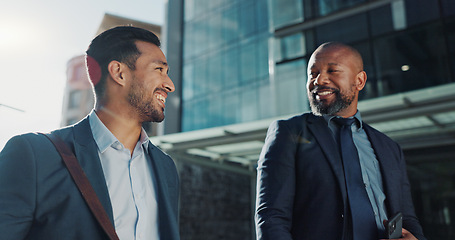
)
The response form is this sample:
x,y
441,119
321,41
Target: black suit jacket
x,y
39,200
301,191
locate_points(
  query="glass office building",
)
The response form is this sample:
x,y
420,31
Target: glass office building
x,y
241,61
246,60
225,63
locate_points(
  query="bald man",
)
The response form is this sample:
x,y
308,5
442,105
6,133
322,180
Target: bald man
x,y
310,184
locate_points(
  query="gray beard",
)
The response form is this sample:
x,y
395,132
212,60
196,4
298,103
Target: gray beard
x,y
320,108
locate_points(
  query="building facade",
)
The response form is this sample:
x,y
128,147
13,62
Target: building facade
x,y
243,62
255,52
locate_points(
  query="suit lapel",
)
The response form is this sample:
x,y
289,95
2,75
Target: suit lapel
x,y
159,172
86,152
321,132
389,169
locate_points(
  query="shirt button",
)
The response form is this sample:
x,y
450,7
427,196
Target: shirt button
x,y
117,146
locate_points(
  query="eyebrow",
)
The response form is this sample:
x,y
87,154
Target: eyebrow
x,y
330,64
160,62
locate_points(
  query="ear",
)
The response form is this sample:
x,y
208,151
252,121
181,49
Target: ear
x,y
361,80
117,72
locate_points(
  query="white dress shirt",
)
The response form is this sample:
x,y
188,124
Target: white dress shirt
x,y
129,182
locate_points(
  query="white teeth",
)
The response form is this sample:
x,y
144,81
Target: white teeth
x,y
161,98
324,93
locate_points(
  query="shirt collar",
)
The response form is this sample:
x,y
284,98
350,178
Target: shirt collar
x,y
104,138
144,139
357,116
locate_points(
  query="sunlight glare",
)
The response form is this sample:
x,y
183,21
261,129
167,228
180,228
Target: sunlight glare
x,y
11,35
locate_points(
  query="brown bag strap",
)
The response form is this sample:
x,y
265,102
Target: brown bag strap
x,y
83,184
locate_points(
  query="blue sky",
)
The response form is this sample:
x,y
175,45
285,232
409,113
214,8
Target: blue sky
x,y
37,38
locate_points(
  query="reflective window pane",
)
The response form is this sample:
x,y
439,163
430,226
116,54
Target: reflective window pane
x,y
250,109
200,77
214,31
188,46
188,84
290,47
325,7
262,58
266,101
187,116
381,20
420,11
411,60
225,50
230,24
248,62
448,7
214,112
262,17
231,66
214,75
188,13
285,12
290,86
350,29
247,19
232,107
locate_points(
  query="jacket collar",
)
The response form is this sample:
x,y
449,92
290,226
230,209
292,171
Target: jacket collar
x,y
86,153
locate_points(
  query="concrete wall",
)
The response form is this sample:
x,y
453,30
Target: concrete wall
x,y
214,204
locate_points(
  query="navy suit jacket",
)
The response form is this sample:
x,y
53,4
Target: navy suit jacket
x,y
39,200
301,191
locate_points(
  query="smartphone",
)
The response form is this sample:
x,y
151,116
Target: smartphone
x,y
394,226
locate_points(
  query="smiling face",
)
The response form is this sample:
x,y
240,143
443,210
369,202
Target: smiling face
x,y
335,77
150,83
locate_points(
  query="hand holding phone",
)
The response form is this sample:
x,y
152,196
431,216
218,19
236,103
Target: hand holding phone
x,y
394,226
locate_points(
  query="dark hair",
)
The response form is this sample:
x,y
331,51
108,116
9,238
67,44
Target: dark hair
x,y
118,44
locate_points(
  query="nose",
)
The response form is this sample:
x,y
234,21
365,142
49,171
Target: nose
x,y
321,79
168,84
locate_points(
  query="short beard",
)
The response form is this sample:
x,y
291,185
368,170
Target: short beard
x,y
137,98
342,101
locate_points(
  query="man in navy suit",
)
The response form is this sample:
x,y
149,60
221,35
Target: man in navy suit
x,y
302,190
135,181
